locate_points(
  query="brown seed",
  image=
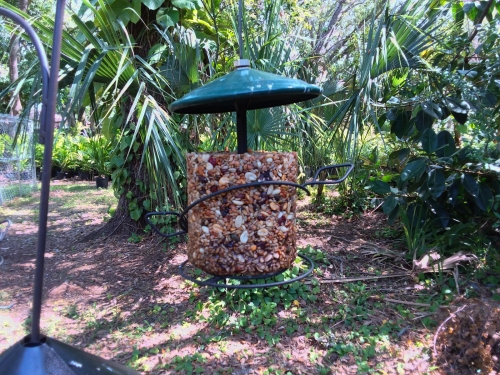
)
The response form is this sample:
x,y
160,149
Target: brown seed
x,y
224,181
263,232
274,206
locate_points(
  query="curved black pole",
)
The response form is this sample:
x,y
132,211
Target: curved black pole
x,y
47,123
49,88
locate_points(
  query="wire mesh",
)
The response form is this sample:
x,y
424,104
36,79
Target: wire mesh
x,y
17,158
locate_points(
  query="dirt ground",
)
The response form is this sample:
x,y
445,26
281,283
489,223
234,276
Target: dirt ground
x,y
124,300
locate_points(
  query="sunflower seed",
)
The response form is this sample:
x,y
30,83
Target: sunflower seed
x,y
238,221
244,237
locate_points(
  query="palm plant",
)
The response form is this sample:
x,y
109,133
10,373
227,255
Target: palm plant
x,y
127,96
271,48
394,42
97,154
83,157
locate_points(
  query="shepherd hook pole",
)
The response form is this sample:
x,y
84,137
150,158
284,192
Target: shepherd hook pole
x,y
47,136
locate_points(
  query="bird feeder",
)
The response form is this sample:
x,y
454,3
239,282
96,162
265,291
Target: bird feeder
x,y
241,205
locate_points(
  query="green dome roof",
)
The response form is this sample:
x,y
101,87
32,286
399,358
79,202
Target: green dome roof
x,y
245,89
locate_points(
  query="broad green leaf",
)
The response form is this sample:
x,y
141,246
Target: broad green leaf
x,y
446,144
445,112
432,109
438,210
381,120
402,125
458,12
380,187
481,6
153,4
136,214
470,185
390,203
484,198
392,114
471,11
488,99
400,155
417,184
117,161
187,4
414,169
155,53
453,192
462,128
436,182
460,117
456,105
167,17
423,192
429,141
423,121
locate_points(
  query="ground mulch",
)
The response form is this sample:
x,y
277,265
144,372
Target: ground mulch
x,y
125,301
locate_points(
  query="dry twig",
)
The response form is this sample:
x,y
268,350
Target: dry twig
x,y
406,302
452,315
361,278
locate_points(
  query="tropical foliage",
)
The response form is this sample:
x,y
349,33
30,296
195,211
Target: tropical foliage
x,y
417,83
444,129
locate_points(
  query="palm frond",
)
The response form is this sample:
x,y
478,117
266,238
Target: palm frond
x,y
395,41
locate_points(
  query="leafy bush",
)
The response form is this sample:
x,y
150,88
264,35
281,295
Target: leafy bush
x,y
439,181
97,154
65,153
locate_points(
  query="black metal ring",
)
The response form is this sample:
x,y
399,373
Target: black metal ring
x,y
182,219
214,281
332,182
236,187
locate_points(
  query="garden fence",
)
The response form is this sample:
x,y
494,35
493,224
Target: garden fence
x,y
17,161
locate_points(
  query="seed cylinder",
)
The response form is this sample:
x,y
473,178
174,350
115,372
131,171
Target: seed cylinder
x,y
247,231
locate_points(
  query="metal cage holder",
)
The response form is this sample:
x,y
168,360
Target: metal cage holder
x,y
215,281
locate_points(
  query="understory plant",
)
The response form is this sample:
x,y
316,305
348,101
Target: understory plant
x,y
65,153
97,153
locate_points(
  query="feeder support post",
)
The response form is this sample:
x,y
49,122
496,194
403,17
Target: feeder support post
x,y
241,130
47,135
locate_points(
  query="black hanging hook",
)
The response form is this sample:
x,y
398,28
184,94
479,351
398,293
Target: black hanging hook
x,y
49,95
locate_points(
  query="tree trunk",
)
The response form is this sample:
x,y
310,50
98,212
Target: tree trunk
x,y
122,223
16,107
